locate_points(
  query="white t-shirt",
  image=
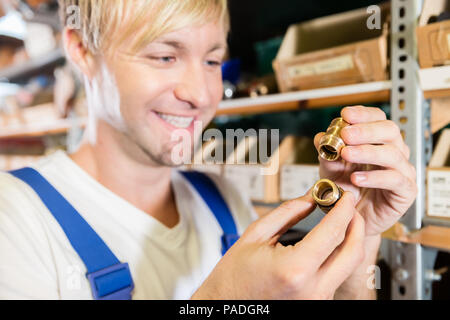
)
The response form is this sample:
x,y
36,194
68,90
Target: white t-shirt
x,y
38,262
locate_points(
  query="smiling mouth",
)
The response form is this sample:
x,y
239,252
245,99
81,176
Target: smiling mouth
x,y
176,121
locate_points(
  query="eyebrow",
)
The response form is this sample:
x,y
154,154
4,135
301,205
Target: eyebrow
x,y
180,46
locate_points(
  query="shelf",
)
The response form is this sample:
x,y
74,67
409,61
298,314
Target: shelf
x,y
363,93
334,96
344,95
434,81
35,130
430,236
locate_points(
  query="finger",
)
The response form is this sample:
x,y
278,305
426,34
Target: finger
x,y
323,239
317,139
387,156
281,219
379,132
360,114
346,258
391,180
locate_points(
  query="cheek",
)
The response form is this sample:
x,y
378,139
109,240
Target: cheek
x,y
217,88
216,92
137,91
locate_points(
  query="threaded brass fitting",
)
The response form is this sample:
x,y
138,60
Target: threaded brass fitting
x,y
331,144
326,193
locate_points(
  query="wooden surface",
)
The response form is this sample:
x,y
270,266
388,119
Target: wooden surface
x,y
346,100
261,108
430,236
361,93
35,130
349,100
432,94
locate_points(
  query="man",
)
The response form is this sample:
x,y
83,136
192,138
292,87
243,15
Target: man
x,y
152,67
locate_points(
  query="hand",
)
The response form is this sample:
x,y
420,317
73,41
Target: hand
x,y
258,267
374,167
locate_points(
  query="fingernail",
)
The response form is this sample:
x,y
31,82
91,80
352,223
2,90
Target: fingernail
x,y
360,177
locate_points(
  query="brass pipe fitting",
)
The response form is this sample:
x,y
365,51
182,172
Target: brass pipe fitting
x,y
331,144
326,193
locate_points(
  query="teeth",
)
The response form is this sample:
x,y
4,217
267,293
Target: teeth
x,y
179,122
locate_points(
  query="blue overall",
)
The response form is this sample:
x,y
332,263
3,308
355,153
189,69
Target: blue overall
x,y
109,278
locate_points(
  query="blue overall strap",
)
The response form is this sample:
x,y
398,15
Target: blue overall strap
x,y
211,195
109,278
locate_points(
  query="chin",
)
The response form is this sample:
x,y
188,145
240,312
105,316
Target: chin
x,y
164,156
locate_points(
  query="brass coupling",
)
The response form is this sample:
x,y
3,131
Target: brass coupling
x,y
331,144
326,193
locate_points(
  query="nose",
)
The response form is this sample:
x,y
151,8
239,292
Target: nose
x,y
193,87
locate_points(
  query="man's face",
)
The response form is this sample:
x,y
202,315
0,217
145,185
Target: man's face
x,y
166,86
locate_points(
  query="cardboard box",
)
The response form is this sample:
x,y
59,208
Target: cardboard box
x,y
297,179
438,179
440,113
300,171
433,39
249,178
334,50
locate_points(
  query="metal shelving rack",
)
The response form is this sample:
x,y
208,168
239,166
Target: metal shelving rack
x,y
411,264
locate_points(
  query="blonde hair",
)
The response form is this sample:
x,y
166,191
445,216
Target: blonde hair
x,y
99,20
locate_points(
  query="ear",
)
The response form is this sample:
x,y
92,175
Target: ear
x,y
78,54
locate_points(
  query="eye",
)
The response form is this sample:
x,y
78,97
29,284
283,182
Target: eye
x,y
164,59
213,63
